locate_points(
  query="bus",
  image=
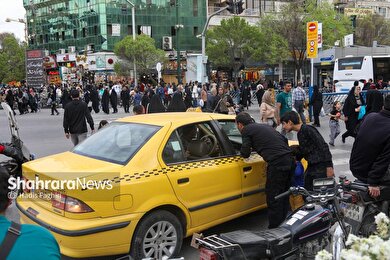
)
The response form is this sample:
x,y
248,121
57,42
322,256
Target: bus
x,y
349,69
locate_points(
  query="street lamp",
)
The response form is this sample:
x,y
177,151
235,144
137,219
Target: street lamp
x,y
203,36
178,27
20,20
133,25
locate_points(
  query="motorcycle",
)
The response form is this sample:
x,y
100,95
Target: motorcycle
x,y
360,209
319,224
13,165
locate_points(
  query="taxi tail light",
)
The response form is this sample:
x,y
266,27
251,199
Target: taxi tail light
x,y
69,204
207,254
76,206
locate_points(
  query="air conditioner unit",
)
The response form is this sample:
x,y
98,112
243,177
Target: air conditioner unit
x,y
71,49
90,47
62,51
167,43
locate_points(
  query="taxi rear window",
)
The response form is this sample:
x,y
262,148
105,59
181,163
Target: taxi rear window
x,y
117,142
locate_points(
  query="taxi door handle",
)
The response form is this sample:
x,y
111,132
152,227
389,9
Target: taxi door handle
x,y
247,169
183,180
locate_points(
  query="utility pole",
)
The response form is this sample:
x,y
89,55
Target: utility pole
x,y
133,25
178,26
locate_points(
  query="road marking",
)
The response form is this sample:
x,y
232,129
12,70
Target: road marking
x,y
341,161
339,151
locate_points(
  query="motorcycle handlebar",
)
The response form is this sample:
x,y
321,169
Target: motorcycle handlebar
x,y
358,187
282,195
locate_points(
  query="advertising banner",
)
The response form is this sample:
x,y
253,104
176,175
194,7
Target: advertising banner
x,y
35,72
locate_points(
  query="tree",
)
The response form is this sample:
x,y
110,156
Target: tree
x,y
273,47
12,59
372,28
233,44
142,50
290,24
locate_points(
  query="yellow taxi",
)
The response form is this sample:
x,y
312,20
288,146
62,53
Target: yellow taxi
x,y
143,183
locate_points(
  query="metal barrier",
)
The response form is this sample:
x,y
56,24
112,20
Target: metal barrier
x,y
330,98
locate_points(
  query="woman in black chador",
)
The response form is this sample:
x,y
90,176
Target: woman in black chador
x,y
177,103
125,97
95,99
351,109
106,101
317,103
155,105
114,100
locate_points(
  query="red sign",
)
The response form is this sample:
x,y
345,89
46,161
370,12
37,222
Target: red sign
x,y
54,72
35,54
312,27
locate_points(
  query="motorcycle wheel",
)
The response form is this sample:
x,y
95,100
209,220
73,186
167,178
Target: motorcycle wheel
x,y
368,227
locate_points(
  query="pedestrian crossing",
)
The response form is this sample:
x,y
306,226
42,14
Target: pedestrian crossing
x,y
340,158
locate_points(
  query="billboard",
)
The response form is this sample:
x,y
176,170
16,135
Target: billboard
x,y
359,12
35,72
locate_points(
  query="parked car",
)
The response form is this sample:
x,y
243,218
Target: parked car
x,y
165,177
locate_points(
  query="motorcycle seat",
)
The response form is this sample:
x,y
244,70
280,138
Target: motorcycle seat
x,y
261,244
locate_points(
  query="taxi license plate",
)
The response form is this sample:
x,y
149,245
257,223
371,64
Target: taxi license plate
x,y
353,211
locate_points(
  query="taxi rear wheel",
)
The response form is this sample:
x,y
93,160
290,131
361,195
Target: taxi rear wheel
x,y
158,236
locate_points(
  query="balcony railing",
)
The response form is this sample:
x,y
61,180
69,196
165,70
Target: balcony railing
x,y
247,12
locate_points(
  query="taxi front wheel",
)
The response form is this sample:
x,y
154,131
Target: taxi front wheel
x,y
158,236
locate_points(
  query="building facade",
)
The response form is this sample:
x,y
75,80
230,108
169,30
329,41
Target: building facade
x,y
96,25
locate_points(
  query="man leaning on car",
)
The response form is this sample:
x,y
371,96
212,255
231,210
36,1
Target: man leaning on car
x,y
22,241
274,149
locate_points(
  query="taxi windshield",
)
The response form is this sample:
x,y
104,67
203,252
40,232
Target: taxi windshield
x,y
116,142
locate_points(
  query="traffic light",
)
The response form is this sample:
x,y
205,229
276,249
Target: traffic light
x,y
353,21
239,7
231,6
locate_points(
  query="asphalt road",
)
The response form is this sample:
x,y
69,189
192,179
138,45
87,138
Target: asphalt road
x,y
43,135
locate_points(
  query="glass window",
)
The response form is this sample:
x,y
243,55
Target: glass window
x,y
193,142
232,132
354,63
117,142
195,8
173,151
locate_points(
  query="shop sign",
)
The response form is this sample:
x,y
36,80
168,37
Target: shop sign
x,y
329,58
100,62
66,57
49,62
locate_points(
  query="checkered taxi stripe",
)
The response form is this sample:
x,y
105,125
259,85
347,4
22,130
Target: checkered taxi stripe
x,y
181,167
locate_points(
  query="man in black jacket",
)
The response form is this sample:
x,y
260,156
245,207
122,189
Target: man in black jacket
x,y
76,112
370,156
312,147
274,149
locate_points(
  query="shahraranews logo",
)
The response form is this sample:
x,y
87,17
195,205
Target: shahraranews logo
x,y
76,184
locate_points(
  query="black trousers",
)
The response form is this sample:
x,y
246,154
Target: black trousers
x,y
278,181
54,108
126,105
